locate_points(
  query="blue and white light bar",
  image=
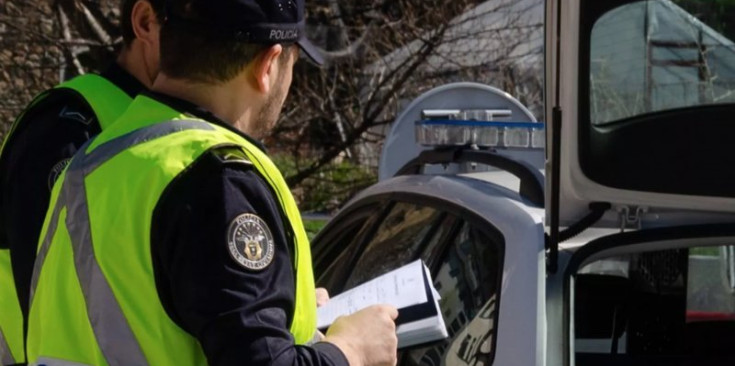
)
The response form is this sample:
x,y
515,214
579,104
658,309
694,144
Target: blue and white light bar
x,y
448,127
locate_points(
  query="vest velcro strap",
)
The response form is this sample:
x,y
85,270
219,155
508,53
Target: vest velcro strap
x,y
106,99
233,154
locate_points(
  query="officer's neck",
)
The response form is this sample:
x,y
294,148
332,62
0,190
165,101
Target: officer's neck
x,y
134,60
235,101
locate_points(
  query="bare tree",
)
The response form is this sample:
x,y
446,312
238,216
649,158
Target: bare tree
x,y
385,53
380,53
43,42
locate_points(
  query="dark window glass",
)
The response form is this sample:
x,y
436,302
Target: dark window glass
x,y
397,241
334,251
433,249
466,268
650,56
467,280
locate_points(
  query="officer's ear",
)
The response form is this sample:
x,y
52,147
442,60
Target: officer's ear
x,y
266,68
145,25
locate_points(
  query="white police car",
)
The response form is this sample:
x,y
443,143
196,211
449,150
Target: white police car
x,y
620,254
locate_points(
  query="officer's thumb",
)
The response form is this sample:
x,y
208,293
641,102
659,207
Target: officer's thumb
x,y
391,310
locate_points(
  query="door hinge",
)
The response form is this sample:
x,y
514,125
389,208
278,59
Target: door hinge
x,y
630,217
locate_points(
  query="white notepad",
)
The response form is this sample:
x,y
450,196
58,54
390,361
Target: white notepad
x,y
408,288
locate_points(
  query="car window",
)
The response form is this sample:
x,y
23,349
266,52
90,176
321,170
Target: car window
x,y
465,262
444,232
710,291
466,277
670,305
396,241
656,93
334,248
650,56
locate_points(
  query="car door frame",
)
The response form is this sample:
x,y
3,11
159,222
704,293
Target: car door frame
x,y
634,242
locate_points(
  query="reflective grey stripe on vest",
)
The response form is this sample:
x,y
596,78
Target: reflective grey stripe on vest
x,y
41,256
111,329
6,358
46,361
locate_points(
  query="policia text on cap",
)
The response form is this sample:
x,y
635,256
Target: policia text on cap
x,y
41,142
171,238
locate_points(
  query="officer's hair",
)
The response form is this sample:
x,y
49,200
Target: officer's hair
x,y
126,11
200,56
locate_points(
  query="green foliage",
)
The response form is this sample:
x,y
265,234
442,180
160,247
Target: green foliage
x,y
328,188
705,251
313,226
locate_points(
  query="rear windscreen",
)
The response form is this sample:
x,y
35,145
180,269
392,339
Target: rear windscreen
x,y
657,95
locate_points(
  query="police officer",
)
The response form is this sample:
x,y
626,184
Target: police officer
x,y
39,146
172,238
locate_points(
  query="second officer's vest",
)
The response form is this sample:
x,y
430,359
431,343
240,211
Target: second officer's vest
x,y
95,300
107,102
11,318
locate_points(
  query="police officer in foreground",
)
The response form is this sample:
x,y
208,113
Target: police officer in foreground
x,y
40,144
172,238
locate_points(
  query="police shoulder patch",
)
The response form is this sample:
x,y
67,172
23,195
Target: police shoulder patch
x,y
250,242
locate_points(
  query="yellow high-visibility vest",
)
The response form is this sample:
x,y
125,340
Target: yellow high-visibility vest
x,y
95,300
107,102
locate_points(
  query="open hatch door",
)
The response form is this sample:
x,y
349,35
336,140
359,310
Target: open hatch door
x,y
641,95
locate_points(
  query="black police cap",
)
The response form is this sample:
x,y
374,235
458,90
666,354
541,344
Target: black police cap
x,y
250,21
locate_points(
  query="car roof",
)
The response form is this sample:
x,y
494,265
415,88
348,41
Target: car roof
x,y
498,177
480,192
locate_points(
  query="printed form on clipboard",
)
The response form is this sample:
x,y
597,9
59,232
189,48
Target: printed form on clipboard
x,y
408,288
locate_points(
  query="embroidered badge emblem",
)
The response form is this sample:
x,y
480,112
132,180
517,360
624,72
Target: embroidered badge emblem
x,y
250,242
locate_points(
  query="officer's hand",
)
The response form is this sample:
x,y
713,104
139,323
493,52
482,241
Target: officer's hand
x,y
367,337
322,296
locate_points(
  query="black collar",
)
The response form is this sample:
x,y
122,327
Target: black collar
x,y
187,107
123,79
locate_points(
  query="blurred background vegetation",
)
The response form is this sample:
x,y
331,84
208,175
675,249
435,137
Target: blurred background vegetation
x,y
380,55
